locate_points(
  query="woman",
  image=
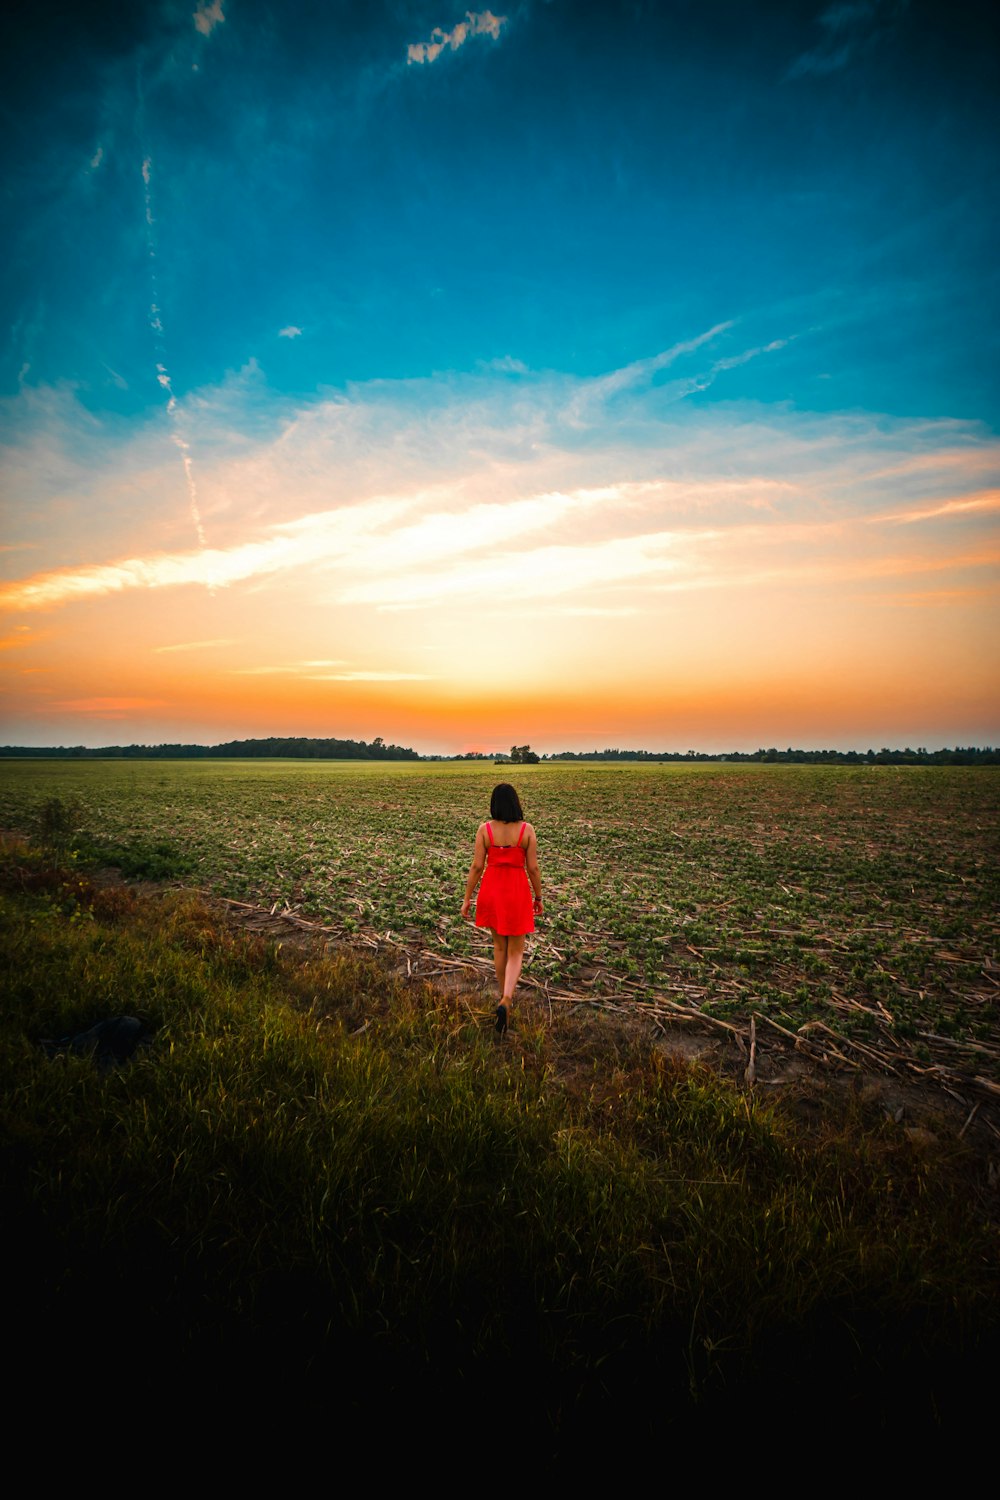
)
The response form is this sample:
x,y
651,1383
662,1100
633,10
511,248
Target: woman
x,y
506,848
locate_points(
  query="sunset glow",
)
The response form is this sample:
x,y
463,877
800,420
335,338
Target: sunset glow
x,y
386,389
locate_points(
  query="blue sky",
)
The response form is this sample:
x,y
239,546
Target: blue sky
x,y
270,263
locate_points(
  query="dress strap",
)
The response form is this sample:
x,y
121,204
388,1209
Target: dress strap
x,y
489,832
521,834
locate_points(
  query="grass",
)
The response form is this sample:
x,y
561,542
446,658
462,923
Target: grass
x,y
865,897
315,1167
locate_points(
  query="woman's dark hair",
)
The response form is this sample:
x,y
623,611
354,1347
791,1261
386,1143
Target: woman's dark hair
x,y
505,804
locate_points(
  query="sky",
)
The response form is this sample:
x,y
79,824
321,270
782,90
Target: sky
x,y
573,374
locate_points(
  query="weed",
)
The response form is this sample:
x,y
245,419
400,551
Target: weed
x,y
57,821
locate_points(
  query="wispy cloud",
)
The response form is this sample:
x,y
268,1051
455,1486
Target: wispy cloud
x,y
309,671
209,567
290,669
291,332
847,29
506,365
208,15
542,573
197,645
177,436
117,380
641,371
735,360
989,500
368,536
476,23
373,677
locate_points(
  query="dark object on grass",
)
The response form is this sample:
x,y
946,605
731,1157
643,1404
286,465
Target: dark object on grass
x,y
109,1042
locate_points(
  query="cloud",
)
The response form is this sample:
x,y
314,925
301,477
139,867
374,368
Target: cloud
x,y
988,500
197,645
97,158
117,380
291,332
465,493
734,360
599,389
507,365
208,16
848,29
677,390
373,677
508,577
476,23
307,671
641,371
294,669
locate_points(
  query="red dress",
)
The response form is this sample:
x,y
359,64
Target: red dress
x,y
504,900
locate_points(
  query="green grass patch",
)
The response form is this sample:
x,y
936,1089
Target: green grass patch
x,y
312,1157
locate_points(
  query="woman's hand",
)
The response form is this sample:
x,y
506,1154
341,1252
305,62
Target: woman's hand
x,y
537,906
465,906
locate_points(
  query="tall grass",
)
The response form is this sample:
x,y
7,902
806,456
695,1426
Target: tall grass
x,y
313,1158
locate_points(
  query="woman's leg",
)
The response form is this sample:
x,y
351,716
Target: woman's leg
x,y
512,972
500,957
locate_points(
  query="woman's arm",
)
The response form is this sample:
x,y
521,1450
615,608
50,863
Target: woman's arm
x,y
531,865
476,868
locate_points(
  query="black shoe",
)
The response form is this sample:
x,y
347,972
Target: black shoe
x,y
500,1024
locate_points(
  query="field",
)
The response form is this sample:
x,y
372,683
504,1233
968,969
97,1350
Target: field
x,y
324,1187
852,911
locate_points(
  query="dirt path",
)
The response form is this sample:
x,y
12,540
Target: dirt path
x,y
809,1073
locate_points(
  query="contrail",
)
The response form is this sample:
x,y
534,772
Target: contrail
x,y
162,373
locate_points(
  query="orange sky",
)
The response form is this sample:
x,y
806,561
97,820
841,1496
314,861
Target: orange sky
x,y
812,582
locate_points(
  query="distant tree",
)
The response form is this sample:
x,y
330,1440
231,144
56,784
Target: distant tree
x,y
523,755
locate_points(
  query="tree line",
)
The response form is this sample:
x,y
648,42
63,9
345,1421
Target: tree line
x,y
961,755
335,749
269,749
